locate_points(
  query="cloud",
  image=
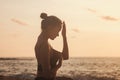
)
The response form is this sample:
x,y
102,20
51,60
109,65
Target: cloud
x,y
19,22
76,30
106,17
109,18
91,10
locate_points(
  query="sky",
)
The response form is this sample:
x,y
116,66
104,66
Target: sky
x,y
93,26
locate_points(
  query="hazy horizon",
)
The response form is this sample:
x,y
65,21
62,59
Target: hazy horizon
x,y
93,27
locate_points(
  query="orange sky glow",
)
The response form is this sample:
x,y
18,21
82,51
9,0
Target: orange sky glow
x,y
93,26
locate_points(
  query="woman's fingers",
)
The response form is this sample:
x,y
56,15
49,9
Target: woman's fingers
x,y
64,29
64,26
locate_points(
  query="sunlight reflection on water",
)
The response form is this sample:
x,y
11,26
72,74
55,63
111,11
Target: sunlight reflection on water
x,y
75,67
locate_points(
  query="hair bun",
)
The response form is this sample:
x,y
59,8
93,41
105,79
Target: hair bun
x,y
43,15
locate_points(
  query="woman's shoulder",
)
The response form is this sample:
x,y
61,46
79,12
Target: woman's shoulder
x,y
41,41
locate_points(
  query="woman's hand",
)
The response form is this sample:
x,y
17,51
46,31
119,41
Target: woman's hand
x,y
64,30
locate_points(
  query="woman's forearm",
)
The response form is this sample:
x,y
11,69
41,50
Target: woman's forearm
x,y
65,51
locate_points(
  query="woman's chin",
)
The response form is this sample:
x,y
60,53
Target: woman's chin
x,y
52,38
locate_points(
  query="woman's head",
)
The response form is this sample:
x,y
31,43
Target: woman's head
x,y
51,25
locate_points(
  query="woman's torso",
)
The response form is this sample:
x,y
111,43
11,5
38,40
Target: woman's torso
x,y
39,54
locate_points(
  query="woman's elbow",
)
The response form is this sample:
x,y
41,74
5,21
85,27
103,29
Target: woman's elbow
x,y
65,55
65,58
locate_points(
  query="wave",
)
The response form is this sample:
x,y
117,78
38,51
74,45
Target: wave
x,y
24,58
32,77
91,77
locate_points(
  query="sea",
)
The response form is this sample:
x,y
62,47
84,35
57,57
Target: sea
x,y
76,68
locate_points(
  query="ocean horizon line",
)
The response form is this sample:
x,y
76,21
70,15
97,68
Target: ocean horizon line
x,y
32,58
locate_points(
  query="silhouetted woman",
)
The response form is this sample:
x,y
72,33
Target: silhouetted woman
x,y
50,60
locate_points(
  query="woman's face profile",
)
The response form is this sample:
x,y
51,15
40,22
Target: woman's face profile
x,y
54,32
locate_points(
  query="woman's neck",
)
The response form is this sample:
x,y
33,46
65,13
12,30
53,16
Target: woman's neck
x,y
44,35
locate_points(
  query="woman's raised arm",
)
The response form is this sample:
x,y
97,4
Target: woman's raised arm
x,y
65,51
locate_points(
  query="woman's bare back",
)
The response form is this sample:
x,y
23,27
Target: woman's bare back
x,y
42,54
